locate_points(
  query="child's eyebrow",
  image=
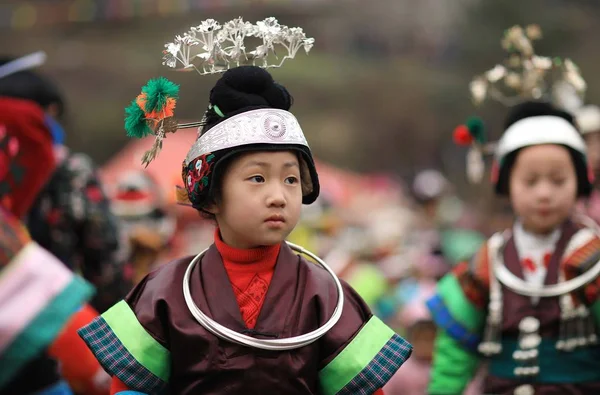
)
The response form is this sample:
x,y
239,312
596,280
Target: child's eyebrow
x,y
267,164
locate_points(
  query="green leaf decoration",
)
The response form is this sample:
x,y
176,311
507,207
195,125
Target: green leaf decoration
x,y
476,128
157,92
135,122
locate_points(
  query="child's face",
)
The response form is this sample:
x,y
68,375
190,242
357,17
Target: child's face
x,y
543,187
261,199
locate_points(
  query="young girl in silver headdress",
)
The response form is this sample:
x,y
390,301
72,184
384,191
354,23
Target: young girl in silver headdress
x,y
248,315
527,302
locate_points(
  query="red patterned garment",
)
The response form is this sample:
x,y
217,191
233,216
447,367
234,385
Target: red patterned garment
x,y
250,273
26,156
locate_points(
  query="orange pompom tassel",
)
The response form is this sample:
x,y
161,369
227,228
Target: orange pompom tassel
x,y
462,136
167,111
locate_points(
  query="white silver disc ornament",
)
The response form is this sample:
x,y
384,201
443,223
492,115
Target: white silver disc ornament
x,y
531,341
289,343
529,325
274,125
525,389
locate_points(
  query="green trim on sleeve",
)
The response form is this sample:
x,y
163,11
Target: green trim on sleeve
x,y
460,308
365,346
144,348
453,366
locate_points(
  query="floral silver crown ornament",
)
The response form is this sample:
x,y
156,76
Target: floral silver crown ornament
x,y
212,48
522,76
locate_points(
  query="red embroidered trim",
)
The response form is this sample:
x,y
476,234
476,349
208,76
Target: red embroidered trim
x,y
251,299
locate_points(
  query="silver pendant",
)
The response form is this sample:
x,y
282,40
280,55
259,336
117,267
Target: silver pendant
x,y
527,354
526,389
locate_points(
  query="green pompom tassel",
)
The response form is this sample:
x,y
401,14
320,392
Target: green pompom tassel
x,y
135,121
476,128
157,92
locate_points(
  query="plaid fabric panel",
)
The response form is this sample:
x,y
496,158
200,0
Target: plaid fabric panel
x,y
442,317
379,371
117,361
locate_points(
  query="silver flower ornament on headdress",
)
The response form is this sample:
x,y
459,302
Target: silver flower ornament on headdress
x,y
524,75
212,48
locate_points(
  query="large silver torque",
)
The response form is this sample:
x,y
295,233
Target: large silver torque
x,y
289,343
508,279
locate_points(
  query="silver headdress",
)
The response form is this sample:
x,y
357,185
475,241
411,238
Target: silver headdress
x,y
522,76
212,48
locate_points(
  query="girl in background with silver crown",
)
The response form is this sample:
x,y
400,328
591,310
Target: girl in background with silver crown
x,y
527,302
248,315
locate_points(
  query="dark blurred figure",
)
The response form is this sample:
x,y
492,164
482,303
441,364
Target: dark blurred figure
x,y
71,217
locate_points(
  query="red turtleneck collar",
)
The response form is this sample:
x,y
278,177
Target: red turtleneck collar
x,y
250,272
258,259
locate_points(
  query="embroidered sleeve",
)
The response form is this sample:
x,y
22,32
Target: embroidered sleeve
x,y
368,356
126,345
583,253
459,306
38,296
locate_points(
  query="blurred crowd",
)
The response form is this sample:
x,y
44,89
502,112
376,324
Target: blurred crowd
x,y
391,239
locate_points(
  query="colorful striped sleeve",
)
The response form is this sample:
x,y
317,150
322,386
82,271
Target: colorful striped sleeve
x,y
367,363
459,311
38,296
582,254
454,313
127,351
459,306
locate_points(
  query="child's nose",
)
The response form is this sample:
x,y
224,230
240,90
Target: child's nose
x,y
276,197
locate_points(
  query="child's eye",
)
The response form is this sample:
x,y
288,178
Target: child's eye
x,y
257,179
531,182
291,180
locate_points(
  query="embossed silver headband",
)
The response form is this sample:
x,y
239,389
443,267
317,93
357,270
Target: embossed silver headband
x,y
262,126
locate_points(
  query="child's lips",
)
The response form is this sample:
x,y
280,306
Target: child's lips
x,y
275,221
544,212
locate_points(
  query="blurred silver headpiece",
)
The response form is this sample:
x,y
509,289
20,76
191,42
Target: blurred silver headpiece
x,y
523,75
212,48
